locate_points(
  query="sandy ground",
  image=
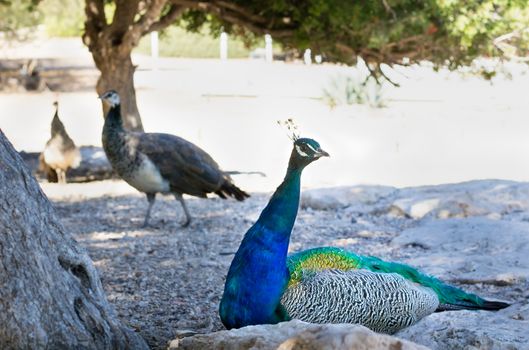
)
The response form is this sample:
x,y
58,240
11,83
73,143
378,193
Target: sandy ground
x,y
166,281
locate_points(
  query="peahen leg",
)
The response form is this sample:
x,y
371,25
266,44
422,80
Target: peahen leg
x,y
61,176
150,198
179,198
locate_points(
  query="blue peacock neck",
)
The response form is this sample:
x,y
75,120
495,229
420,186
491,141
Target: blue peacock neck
x,y
278,217
280,213
258,274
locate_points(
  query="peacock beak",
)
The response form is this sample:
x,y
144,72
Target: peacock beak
x,y
322,153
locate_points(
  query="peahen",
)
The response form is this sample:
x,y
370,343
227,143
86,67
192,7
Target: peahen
x,y
60,152
162,163
325,285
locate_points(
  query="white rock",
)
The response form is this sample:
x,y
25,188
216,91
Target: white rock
x,y
491,198
469,330
474,198
478,249
296,335
341,197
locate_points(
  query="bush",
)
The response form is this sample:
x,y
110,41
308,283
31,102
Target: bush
x,y
18,18
356,88
63,18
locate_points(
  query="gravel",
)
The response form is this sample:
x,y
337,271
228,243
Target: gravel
x,y
166,281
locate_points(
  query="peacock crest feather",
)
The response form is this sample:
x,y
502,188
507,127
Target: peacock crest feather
x,y
291,127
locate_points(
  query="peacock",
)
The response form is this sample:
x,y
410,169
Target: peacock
x,y
60,152
162,163
326,284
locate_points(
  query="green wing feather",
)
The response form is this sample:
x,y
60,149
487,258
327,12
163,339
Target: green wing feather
x,y
324,258
318,259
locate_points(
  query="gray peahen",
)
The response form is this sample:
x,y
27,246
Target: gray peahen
x,y
162,163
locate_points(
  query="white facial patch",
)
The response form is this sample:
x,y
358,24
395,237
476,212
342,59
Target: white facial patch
x,y
113,99
298,149
312,148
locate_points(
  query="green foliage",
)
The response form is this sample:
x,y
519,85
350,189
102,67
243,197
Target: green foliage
x,y
474,25
446,32
60,17
63,18
18,18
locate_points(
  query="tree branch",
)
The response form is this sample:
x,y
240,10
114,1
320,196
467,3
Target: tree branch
x,y
508,50
241,11
153,11
124,15
372,74
234,14
137,30
389,9
95,21
166,20
381,72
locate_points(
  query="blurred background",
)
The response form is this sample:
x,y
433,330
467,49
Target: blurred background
x,y
461,114
401,93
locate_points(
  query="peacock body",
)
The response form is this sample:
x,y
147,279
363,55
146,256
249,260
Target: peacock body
x,y
327,284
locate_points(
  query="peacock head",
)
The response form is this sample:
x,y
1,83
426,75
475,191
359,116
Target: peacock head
x,y
111,97
305,152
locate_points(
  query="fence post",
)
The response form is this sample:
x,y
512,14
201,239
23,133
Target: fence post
x,y
269,53
307,56
223,46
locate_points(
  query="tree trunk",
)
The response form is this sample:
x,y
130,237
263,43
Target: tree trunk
x,y
117,73
50,295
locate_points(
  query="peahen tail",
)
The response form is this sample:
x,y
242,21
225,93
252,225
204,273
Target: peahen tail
x,y
450,297
228,189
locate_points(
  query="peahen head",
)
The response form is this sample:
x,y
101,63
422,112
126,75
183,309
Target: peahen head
x,y
56,106
305,152
111,97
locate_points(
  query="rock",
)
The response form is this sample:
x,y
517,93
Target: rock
x,y
474,198
491,198
466,330
473,249
341,197
295,335
94,166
